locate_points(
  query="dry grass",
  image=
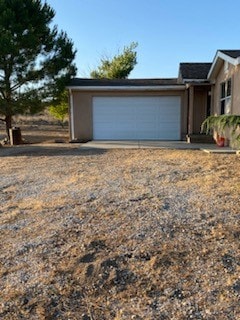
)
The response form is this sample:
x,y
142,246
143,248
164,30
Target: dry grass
x,y
41,128
118,234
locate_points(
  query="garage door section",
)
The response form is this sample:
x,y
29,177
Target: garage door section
x,y
136,118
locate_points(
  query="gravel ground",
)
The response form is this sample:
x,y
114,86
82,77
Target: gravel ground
x,y
118,234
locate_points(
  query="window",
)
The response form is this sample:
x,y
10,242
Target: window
x,y
226,92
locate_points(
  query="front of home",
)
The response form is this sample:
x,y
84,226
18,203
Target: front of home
x,y
155,109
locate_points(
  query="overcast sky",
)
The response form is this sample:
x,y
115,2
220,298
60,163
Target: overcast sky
x,y
168,31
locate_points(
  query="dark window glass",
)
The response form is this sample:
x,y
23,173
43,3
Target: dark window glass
x,y
208,105
225,100
223,95
223,107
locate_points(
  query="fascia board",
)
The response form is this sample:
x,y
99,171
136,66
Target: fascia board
x,y
224,57
194,80
127,88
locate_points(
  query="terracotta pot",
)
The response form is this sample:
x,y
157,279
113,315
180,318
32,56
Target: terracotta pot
x,y
220,141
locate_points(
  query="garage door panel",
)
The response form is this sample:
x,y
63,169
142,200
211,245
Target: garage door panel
x,y
167,127
136,118
147,135
145,114
116,133
113,113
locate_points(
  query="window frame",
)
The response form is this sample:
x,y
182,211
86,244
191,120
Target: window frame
x,y
225,96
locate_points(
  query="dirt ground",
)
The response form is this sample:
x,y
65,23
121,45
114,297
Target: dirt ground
x,y
37,129
118,234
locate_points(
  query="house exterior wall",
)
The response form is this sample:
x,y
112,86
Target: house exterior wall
x,y
236,91
81,122
81,116
223,75
198,106
200,109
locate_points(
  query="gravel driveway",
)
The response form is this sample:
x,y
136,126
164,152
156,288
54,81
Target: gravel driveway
x,y
119,234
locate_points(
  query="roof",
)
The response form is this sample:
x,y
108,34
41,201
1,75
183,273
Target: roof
x,y
231,53
81,82
194,70
230,56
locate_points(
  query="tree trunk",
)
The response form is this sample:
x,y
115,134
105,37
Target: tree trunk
x,y
8,120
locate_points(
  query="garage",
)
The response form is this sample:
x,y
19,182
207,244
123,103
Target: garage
x,y
136,118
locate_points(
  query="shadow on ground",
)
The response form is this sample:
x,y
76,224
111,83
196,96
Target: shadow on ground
x,y
48,150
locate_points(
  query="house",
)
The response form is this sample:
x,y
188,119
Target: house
x,y
155,109
224,76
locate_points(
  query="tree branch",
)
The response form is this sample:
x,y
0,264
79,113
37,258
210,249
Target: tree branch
x,y
16,86
2,93
1,119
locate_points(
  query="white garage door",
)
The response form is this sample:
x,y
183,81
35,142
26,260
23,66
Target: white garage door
x,y
136,118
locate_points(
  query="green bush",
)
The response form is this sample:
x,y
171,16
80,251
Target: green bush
x,y
227,126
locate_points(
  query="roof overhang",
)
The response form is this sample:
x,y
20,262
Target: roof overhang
x,y
196,84
127,88
218,61
194,80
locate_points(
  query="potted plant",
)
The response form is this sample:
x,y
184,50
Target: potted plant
x,y
224,128
220,141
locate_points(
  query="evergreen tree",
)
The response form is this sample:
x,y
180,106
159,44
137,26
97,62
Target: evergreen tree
x,y
120,66
36,60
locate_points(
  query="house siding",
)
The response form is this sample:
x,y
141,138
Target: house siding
x,y
233,72
236,91
200,109
82,115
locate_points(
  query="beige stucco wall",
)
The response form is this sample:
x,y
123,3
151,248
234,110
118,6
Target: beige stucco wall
x,y
236,92
81,126
81,116
232,72
200,108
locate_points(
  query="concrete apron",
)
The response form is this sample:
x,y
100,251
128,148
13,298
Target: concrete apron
x,y
144,144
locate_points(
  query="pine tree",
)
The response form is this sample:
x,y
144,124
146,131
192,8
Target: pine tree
x,y
36,60
120,66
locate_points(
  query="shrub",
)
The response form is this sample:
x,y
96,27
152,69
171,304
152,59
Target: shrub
x,y
227,126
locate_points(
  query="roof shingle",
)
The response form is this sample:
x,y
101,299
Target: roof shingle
x,y
195,70
231,53
75,82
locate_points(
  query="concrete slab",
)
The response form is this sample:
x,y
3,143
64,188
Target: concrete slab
x,y
225,150
143,144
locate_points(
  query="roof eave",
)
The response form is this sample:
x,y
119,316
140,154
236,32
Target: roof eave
x,y
217,61
195,80
127,88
